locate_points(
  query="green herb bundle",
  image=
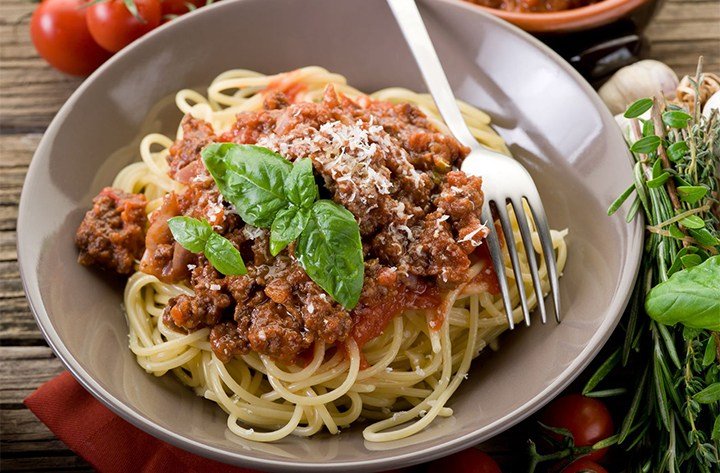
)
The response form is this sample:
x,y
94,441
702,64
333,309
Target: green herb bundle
x,y
665,373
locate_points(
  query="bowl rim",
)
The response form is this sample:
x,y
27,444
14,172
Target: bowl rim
x,y
129,413
592,15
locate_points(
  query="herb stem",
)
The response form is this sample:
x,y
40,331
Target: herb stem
x,y
681,216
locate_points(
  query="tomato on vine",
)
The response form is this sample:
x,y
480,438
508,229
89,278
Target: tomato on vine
x,y
173,8
59,31
583,465
471,460
116,23
587,419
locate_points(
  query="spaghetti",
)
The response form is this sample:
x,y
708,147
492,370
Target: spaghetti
x,y
399,381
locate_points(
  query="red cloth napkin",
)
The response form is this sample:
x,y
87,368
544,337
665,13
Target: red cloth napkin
x,y
106,441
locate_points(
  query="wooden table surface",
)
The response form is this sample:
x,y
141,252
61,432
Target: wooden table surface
x,y
31,93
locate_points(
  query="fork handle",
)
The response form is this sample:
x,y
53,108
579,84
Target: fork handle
x,y
411,24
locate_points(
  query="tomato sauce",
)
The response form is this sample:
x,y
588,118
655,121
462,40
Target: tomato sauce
x,y
371,320
534,6
288,85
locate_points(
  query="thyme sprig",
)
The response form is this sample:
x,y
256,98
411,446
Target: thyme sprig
x,y
667,425
663,381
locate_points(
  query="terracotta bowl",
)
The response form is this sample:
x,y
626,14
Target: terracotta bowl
x,y
596,15
552,120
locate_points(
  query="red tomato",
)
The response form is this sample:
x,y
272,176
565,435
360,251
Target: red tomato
x,y
114,27
588,419
471,460
584,465
60,35
179,7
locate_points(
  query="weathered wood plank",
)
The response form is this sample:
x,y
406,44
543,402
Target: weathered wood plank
x,y
7,246
26,443
16,150
672,29
689,11
22,370
10,285
682,57
17,325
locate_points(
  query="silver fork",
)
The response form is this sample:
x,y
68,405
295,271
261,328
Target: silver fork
x,y
505,181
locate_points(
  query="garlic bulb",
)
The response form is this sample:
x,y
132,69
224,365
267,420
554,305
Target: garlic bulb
x,y
645,78
712,103
686,90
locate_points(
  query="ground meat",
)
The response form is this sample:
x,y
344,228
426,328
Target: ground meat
x,y
228,341
112,233
164,258
205,307
461,198
427,148
275,332
386,163
196,135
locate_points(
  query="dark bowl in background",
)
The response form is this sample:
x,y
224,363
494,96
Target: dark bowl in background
x,y
596,39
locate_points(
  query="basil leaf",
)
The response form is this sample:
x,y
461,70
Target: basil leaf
x,y
330,251
691,194
676,119
690,296
251,178
300,187
703,236
190,232
716,429
646,145
709,394
638,107
286,227
223,255
677,151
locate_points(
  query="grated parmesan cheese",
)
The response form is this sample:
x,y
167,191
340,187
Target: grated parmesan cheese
x,y
252,233
469,236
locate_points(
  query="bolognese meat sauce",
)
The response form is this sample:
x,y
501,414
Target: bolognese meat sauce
x,y
112,234
419,220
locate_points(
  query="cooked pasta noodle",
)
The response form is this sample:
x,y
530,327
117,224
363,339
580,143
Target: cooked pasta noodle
x,y
411,370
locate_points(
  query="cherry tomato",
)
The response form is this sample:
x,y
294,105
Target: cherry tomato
x,y
179,7
471,460
586,418
60,35
113,25
584,465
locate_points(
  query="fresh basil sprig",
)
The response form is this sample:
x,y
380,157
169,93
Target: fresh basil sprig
x,y
198,236
251,178
330,250
269,191
690,296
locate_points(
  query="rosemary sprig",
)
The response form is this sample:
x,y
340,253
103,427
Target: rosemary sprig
x,y
667,370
